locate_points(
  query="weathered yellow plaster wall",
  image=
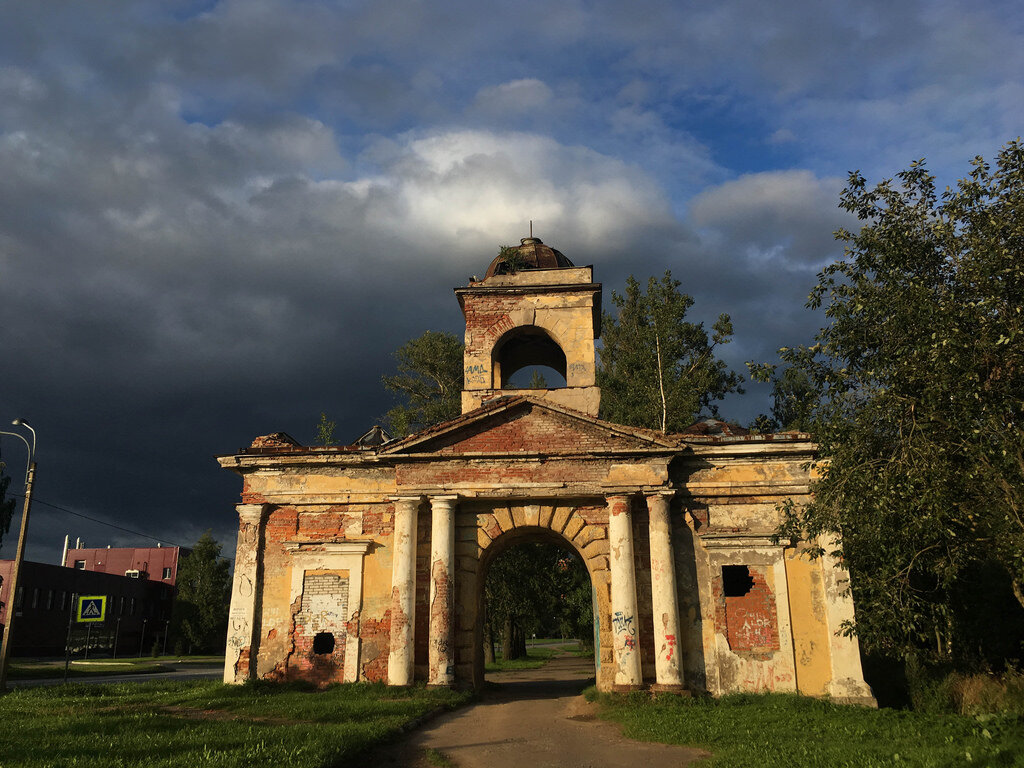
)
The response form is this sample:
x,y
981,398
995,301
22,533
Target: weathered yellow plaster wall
x,y
810,629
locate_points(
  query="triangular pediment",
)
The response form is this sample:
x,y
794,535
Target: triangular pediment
x,y
526,425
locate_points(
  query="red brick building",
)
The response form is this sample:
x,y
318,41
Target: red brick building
x,y
157,563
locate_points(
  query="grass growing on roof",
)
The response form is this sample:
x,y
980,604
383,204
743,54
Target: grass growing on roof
x,y
164,724
789,731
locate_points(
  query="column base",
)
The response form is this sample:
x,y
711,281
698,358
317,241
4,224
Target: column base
x,y
852,691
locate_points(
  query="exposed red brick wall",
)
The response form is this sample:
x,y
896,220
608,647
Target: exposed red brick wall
x,y
242,665
750,622
249,496
375,635
594,515
282,525
487,319
320,669
379,520
525,430
324,525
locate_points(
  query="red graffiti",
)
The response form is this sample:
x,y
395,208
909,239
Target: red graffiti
x,y
670,641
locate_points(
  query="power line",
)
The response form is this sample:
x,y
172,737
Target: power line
x,y
37,500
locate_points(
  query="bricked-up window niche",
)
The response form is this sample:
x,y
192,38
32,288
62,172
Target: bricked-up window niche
x,y
323,642
528,347
736,580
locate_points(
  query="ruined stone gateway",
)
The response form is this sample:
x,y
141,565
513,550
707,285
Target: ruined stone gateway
x,y
367,562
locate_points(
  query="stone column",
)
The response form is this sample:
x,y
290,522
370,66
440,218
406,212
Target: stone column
x,y
403,592
441,648
625,623
240,658
663,593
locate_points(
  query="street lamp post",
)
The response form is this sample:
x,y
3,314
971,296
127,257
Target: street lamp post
x,y
12,593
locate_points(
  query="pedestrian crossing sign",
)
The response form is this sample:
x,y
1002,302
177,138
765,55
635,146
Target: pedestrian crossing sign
x,y
92,608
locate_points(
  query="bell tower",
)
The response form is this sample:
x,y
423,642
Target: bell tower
x,y
533,308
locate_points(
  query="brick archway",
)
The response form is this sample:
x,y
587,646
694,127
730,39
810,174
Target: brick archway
x,y
579,525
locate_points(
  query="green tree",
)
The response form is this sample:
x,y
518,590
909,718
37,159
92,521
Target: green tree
x,y
537,380
659,370
919,379
429,382
6,505
536,588
793,401
200,614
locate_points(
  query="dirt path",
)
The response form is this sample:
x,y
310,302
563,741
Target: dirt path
x,y
532,719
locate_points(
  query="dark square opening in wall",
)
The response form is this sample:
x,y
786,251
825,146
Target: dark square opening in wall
x,y
323,642
736,580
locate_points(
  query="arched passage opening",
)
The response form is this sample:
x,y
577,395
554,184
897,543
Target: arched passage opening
x,y
528,357
533,585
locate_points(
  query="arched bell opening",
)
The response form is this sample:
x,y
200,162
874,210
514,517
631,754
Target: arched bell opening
x,y
524,352
536,377
561,585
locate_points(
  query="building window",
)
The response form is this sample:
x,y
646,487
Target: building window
x,y
167,573
80,565
35,597
49,599
120,610
63,599
131,607
19,599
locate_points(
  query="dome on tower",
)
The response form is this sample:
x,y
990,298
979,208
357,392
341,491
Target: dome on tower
x,y
532,254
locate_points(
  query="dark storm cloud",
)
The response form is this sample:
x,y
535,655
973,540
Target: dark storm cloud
x,y
218,219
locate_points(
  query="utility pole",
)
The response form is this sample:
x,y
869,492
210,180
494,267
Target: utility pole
x,y
12,594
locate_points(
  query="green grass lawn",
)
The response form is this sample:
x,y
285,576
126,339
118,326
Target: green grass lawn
x,y
536,657
204,723
771,730
37,669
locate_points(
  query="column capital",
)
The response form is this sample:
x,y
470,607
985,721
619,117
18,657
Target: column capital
x,y
619,504
252,513
665,493
447,500
416,499
619,492
658,504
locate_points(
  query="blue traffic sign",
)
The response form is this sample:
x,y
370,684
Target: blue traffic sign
x,y
92,608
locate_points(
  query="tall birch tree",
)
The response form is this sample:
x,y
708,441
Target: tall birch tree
x,y
658,370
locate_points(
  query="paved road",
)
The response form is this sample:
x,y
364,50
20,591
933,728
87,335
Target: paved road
x,y
536,718
184,671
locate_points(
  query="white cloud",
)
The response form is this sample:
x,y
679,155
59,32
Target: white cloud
x,y
473,184
784,217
